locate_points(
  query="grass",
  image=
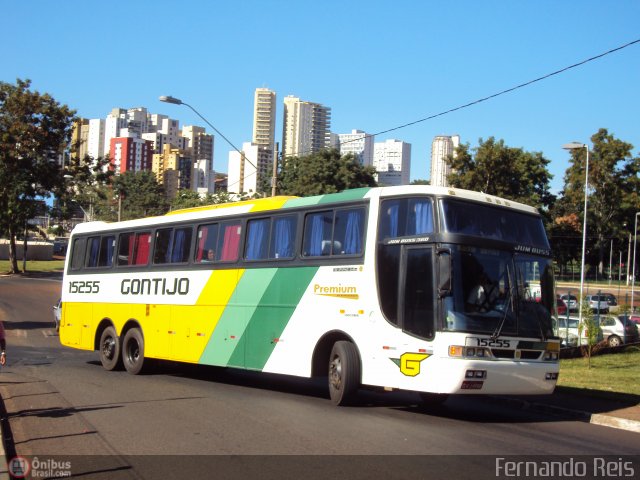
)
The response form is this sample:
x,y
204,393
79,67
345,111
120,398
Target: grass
x,y
34,266
610,375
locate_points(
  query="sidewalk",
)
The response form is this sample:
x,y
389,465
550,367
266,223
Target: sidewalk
x,y
620,414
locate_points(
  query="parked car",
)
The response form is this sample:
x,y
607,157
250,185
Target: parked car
x,y
615,332
611,299
57,311
635,318
568,336
571,301
561,307
573,335
598,303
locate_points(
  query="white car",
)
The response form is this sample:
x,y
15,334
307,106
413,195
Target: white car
x,y
614,331
573,335
598,303
57,311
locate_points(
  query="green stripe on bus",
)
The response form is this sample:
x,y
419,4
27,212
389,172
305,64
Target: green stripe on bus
x,y
256,314
355,194
271,317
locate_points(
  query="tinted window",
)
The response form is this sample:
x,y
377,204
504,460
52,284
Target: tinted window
x,y
77,253
172,245
494,222
283,236
134,248
402,217
257,239
207,240
334,233
228,242
100,251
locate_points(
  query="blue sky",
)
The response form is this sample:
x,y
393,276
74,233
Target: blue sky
x,y
377,64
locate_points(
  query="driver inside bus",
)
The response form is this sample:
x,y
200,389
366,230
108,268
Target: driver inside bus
x,y
483,294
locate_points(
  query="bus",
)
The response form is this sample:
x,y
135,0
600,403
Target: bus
x,y
418,288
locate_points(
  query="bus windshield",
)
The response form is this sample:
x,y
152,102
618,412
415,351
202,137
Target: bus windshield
x,y
498,292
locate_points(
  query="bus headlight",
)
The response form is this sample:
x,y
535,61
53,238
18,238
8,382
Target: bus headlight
x,y
551,356
468,352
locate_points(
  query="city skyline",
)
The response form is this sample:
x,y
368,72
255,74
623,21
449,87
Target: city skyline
x,y
420,67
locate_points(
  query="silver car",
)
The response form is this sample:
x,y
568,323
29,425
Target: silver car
x,y
615,332
57,311
598,303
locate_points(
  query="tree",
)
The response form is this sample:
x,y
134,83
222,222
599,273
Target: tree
x,y
421,181
34,131
613,196
140,195
323,172
507,172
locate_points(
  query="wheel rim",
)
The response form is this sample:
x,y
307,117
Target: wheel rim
x,y
133,351
335,373
109,348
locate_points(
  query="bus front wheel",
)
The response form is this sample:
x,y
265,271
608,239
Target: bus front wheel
x,y
110,349
344,373
133,351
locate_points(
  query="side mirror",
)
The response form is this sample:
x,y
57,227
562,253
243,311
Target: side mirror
x,y
444,272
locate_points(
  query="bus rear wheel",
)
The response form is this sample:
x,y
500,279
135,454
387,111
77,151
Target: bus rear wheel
x,y
133,351
344,373
110,349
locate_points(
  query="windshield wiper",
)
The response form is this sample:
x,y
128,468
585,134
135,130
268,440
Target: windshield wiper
x,y
496,333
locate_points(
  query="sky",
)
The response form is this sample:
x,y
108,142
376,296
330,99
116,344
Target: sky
x,y
377,64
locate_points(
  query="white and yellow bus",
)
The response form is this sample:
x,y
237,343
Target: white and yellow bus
x,y
415,288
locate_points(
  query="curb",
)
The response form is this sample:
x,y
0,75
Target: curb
x,y
601,419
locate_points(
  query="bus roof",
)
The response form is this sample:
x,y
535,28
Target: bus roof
x,y
281,202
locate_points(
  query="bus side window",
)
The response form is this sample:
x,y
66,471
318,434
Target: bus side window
x,y
181,245
228,242
141,252
206,246
161,250
283,237
100,251
257,239
77,253
317,234
348,232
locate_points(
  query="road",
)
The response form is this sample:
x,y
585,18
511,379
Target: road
x,y
60,401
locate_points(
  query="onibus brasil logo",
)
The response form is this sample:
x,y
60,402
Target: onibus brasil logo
x,y
21,467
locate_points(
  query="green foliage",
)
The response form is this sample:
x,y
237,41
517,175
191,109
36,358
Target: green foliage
x,y
420,181
323,172
34,131
141,195
507,172
614,186
589,329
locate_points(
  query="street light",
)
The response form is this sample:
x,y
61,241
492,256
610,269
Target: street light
x,y
576,146
177,101
633,275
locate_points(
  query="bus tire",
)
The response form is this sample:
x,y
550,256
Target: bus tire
x,y
133,351
344,373
433,399
110,349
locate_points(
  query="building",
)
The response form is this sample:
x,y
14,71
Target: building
x,y
392,161
264,118
199,146
305,128
359,144
172,169
95,141
249,170
130,154
80,138
442,147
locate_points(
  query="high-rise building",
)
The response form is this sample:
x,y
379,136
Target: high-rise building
x,y
264,118
130,154
95,144
392,161
172,169
359,144
199,146
249,169
306,127
442,147
80,138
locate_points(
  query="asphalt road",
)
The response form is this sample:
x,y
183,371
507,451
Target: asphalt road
x,y
183,420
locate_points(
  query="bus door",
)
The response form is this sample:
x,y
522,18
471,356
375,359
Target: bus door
x,y
416,308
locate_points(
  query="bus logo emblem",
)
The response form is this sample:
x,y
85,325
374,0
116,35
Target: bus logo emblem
x,y
409,363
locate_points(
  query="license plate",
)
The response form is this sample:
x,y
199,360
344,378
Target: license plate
x,y
487,342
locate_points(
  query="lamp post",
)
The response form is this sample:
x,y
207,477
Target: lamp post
x,y
633,275
576,146
177,101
